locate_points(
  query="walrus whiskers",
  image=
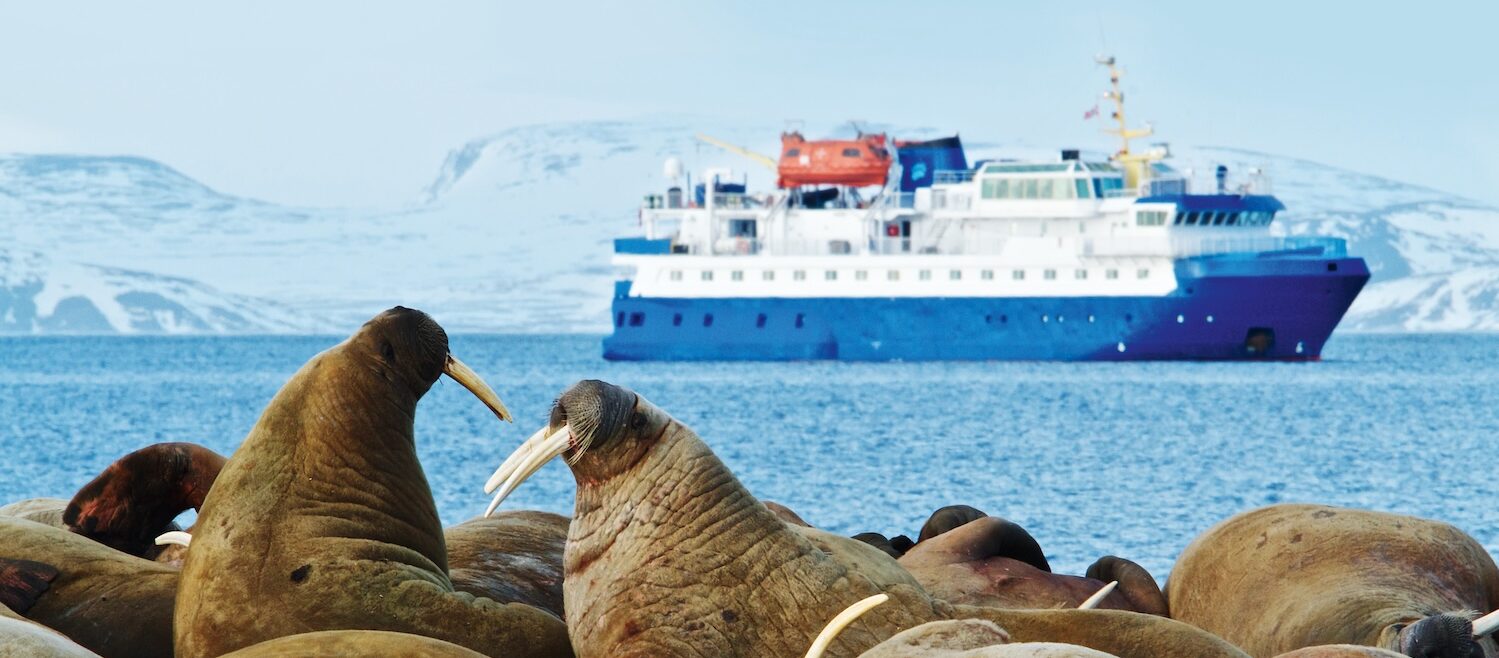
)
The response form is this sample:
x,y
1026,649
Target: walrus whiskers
x,y
177,537
841,621
470,380
1098,596
536,454
1486,624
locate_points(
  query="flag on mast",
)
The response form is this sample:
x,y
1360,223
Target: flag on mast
x,y
1090,113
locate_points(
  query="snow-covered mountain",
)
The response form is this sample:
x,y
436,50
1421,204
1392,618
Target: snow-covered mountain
x,y
514,231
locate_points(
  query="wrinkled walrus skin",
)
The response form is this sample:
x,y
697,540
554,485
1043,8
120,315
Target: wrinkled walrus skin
x,y
112,603
46,511
354,644
323,520
668,555
510,557
1291,576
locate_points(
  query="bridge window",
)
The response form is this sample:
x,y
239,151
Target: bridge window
x,y
637,319
1082,188
955,275
1179,217
676,275
830,275
1233,219
1150,218
1044,188
737,275
1049,275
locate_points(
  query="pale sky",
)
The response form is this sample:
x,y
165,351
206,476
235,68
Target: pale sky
x,y
356,103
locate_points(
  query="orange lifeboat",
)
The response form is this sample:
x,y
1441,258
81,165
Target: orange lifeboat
x,y
853,162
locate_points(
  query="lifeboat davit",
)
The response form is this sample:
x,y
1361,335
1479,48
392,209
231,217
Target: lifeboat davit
x,y
853,162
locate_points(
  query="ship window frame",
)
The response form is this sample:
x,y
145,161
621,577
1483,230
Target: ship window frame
x,y
955,275
892,275
830,275
1082,190
1049,275
675,275
798,275
1017,275
707,275
852,152
1142,273
637,318
736,275
1111,273
1081,274
986,275
924,275
794,152
768,275
861,275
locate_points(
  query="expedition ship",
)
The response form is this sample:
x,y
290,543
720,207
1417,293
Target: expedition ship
x,y
1067,259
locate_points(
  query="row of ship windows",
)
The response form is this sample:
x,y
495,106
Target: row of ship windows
x,y
923,275
637,319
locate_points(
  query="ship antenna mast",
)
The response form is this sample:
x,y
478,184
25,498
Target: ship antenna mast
x,y
1136,166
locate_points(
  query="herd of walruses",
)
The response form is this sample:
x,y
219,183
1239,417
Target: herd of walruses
x,y
319,537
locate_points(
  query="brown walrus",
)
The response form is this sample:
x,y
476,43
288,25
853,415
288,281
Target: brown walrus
x,y
970,638
993,562
136,498
510,557
669,555
22,638
112,603
354,644
1341,651
1291,576
46,511
323,520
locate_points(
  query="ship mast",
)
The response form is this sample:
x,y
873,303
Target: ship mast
x,y
1136,165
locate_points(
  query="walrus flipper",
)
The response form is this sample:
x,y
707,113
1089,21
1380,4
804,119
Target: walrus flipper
x,y
22,582
1135,583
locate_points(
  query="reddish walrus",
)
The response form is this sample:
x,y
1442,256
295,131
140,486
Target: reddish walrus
x,y
669,555
112,603
323,520
136,498
511,556
1286,577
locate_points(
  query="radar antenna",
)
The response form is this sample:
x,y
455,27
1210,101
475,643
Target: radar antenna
x,y
1136,165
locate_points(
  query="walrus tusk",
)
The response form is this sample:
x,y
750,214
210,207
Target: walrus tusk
x,y
504,470
475,384
174,537
536,454
1486,624
1098,596
841,621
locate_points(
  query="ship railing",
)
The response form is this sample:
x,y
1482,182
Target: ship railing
x,y
951,176
1189,247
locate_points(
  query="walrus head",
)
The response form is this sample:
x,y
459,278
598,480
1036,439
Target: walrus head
x,y
600,428
1439,636
407,346
136,498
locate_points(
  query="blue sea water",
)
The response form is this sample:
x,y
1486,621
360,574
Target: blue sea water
x,y
1132,459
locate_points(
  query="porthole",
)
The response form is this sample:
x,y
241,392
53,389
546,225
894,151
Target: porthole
x,y
1210,319
1180,319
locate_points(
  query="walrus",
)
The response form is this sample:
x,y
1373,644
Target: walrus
x,y
970,638
112,603
136,498
669,555
354,644
22,638
47,511
1341,651
323,520
991,561
510,557
1286,577
949,518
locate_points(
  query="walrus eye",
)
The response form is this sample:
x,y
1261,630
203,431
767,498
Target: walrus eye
x,y
637,421
389,352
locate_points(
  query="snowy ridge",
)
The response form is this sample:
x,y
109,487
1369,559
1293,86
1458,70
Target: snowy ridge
x,y
514,234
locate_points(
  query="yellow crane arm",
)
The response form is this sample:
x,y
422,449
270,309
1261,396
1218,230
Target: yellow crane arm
x,y
757,157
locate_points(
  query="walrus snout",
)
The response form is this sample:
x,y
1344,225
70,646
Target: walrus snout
x,y
137,497
1440,636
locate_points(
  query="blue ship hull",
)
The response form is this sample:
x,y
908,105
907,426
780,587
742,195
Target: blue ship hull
x,y
1258,306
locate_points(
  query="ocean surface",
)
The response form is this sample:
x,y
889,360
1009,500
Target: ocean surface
x,y
1131,459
